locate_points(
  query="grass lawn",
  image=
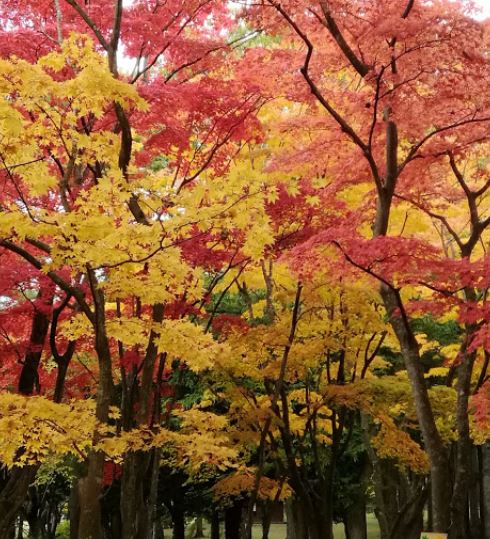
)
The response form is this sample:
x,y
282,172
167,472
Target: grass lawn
x,y
278,531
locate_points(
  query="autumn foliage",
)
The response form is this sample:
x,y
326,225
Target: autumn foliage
x,y
244,261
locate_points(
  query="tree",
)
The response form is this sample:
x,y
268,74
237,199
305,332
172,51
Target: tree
x,y
390,123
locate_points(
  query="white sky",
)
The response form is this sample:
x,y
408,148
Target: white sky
x,y
485,6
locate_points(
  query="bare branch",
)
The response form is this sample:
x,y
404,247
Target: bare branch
x,y
61,283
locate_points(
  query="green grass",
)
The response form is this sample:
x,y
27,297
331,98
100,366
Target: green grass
x,y
278,531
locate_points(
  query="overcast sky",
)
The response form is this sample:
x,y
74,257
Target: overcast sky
x,y
485,5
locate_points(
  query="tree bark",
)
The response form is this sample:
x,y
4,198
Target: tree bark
x,y
439,463
233,519
355,523
29,378
13,496
485,480
474,496
199,527
215,532
266,518
135,512
463,467
178,520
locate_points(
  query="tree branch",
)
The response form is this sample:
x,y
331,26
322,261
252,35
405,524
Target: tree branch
x,y
356,63
90,23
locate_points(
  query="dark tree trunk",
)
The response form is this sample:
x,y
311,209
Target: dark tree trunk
x,y
17,481
20,530
288,508
13,496
410,520
233,520
485,498
266,518
74,511
475,495
158,529
215,525
33,514
199,527
355,524
296,520
463,465
29,379
178,519
135,512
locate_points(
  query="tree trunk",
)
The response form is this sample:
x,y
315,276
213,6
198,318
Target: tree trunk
x,y
74,511
178,520
20,530
288,509
134,507
233,519
355,524
90,486
485,480
215,525
439,464
266,518
89,494
475,496
13,495
296,521
410,519
29,379
18,480
459,500
199,527
157,530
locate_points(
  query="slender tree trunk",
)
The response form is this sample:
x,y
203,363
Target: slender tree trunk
x,y
485,479
18,480
74,511
199,527
288,509
266,518
90,486
439,463
475,495
29,378
153,497
463,467
178,519
20,530
215,525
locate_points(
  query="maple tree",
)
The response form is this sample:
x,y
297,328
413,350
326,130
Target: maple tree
x,y
250,264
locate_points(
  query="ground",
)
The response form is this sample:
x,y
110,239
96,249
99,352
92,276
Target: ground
x,y
278,531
